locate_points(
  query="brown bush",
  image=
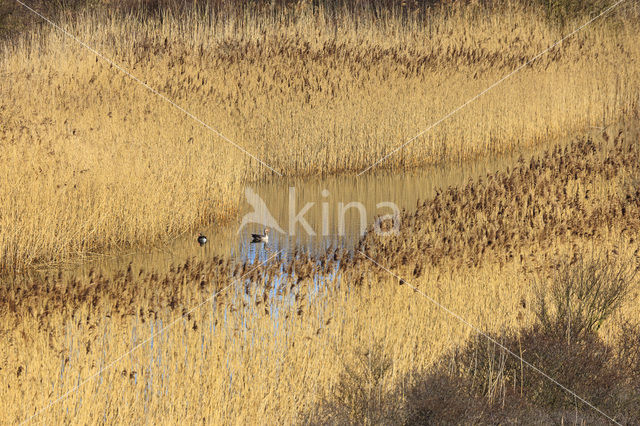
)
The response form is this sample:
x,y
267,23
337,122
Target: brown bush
x,y
584,293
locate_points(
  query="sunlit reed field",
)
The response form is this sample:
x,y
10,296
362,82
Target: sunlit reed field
x,y
344,339
93,162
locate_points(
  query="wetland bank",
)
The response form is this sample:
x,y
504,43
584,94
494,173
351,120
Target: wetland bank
x,y
516,215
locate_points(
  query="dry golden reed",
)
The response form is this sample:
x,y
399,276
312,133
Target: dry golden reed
x,y
272,347
93,162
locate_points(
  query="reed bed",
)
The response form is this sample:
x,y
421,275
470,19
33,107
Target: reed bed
x,y
566,192
297,335
92,162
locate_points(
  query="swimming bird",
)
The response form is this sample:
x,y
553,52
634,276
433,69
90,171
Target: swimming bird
x,y
261,238
202,240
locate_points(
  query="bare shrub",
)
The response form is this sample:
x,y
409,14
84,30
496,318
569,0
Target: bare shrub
x,y
584,292
360,396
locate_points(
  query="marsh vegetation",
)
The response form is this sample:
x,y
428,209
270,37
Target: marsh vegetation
x,y
339,338
95,162
531,267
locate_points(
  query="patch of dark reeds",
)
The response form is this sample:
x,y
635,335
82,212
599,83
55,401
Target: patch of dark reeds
x,y
126,292
551,198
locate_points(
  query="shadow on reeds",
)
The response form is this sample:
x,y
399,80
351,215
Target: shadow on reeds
x,y
483,383
570,196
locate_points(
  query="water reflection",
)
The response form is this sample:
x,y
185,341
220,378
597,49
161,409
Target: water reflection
x,y
326,220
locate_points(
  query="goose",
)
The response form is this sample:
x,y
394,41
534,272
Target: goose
x,y
261,238
202,240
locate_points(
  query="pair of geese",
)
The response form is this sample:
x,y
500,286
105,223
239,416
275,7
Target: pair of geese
x,y
256,238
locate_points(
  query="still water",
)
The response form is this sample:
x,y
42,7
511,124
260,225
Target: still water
x,y
331,211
